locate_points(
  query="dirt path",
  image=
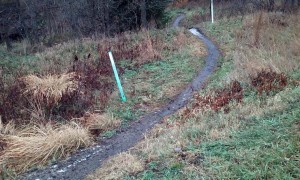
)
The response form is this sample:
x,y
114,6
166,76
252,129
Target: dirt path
x,y
86,161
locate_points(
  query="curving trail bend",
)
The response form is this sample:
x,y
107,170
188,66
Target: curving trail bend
x,y
79,165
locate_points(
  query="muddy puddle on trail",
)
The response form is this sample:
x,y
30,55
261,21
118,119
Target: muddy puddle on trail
x,y
84,162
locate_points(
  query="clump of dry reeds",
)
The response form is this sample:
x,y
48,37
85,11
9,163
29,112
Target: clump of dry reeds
x,y
37,145
118,167
50,88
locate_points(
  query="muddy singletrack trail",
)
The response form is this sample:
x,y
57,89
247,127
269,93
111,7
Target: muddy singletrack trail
x,y
84,162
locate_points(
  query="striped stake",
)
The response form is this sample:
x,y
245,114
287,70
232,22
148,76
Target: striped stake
x,y
117,76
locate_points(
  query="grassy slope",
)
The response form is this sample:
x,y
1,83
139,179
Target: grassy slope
x,y
153,84
149,85
258,139
264,146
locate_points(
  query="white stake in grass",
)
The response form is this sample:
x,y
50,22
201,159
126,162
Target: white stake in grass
x,y
117,76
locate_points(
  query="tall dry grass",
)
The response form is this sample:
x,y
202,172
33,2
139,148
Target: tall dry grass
x,y
37,145
50,88
266,41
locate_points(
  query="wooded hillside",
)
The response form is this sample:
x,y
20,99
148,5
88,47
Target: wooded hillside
x,y
52,19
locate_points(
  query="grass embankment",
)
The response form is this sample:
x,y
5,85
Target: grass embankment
x,y
60,98
219,136
154,84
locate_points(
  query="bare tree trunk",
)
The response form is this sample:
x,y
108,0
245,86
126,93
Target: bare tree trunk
x,y
106,18
271,5
8,43
102,16
287,5
95,10
143,13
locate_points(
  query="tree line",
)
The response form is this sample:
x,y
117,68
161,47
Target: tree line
x,y
43,20
49,21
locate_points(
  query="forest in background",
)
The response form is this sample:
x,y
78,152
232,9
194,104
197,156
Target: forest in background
x,y
54,21
49,21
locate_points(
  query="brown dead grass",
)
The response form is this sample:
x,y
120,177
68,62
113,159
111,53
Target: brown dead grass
x,y
147,50
161,141
140,48
50,88
98,123
198,49
182,39
276,44
37,145
118,167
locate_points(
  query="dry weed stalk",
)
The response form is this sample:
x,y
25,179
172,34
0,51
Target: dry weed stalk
x,y
258,28
37,145
50,88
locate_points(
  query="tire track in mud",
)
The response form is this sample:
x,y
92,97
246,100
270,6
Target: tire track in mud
x,y
84,162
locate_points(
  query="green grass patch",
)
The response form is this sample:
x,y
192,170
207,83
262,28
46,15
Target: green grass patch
x,y
265,147
12,62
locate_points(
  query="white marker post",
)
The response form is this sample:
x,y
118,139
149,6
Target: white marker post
x,y
212,11
117,76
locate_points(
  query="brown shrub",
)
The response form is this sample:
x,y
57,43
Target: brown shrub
x,y
9,109
268,80
140,50
95,77
217,100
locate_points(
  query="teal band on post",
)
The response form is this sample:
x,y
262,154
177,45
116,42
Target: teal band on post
x,y
117,76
